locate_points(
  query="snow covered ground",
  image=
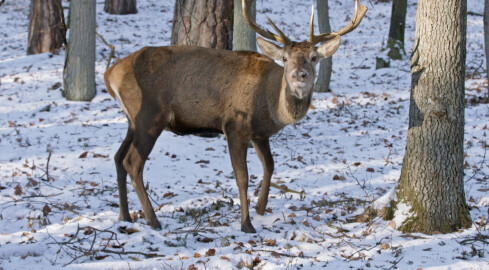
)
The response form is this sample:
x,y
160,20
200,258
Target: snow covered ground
x,y
58,194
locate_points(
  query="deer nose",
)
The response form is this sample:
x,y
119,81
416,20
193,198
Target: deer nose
x,y
299,75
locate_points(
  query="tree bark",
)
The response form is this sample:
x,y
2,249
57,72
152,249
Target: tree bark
x,y
432,174
206,23
47,31
486,34
326,65
244,38
120,7
79,70
395,43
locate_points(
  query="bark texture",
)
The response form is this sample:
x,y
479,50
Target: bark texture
x,y
47,31
120,7
326,65
79,70
244,38
395,43
205,23
432,174
486,34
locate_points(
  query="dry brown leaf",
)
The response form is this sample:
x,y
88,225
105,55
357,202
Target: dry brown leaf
x,y
18,190
83,155
210,252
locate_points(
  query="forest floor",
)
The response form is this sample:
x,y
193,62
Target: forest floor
x,y
58,192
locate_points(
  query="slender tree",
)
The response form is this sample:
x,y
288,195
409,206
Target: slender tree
x,y
47,30
206,23
432,173
120,7
244,38
395,43
79,70
326,65
486,34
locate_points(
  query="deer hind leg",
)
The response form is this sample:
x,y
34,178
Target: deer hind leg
x,y
144,139
122,174
262,148
238,150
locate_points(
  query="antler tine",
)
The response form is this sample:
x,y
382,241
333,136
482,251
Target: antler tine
x,y
281,37
357,18
311,26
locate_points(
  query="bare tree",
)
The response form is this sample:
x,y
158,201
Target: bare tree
x,y
244,38
120,7
486,34
432,173
206,23
79,70
326,65
47,30
395,43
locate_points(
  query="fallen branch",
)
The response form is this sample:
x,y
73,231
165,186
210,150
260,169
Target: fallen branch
x,y
474,13
111,47
76,249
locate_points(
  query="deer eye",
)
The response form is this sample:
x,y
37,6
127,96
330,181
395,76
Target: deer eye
x,y
284,59
314,58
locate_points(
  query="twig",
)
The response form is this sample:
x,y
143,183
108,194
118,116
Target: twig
x,y
395,263
482,163
474,13
284,189
358,182
280,254
111,47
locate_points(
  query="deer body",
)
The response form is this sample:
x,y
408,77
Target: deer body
x,y
187,90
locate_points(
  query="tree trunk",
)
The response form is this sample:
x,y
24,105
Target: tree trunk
x,y
432,174
120,7
486,34
47,31
244,38
206,23
326,65
79,70
395,43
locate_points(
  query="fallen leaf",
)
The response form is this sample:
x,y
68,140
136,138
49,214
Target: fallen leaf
x,y
83,155
225,258
370,170
197,255
210,252
338,178
270,242
18,190
46,210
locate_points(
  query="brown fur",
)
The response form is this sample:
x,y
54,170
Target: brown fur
x,y
188,90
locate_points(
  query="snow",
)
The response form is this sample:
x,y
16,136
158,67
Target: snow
x,y
57,175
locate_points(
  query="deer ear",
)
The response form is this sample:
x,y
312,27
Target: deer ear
x,y
329,47
269,49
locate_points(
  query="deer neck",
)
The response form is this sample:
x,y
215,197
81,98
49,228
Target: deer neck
x,y
291,109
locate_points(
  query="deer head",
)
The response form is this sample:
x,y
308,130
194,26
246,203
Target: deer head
x,y
300,58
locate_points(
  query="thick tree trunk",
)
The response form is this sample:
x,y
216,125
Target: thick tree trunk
x,y
244,38
79,72
47,31
326,65
395,43
486,34
432,174
120,7
206,23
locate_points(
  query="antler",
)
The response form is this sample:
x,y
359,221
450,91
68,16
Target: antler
x,y
357,18
281,37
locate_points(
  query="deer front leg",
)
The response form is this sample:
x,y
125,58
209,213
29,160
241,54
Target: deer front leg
x,y
122,175
237,151
262,147
134,164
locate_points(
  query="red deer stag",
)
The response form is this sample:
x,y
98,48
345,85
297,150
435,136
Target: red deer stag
x,y
245,95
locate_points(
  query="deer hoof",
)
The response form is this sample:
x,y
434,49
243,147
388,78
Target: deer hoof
x,y
260,211
155,224
124,218
248,228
